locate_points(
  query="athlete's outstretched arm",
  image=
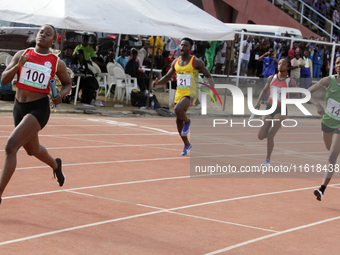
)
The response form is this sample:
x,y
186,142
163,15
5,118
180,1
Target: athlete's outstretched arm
x,y
65,82
166,77
11,70
199,65
263,92
324,82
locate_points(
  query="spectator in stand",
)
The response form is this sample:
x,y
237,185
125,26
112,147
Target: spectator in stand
x,y
110,57
210,54
328,8
100,59
326,60
159,60
126,39
321,9
278,51
167,42
310,45
201,46
132,68
291,52
236,47
246,47
269,67
67,57
137,59
89,54
145,54
302,46
317,60
220,57
122,59
254,56
336,16
79,65
157,40
230,57
285,48
176,52
307,10
296,67
306,72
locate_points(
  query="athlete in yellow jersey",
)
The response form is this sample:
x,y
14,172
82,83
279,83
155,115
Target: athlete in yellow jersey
x,y
187,78
187,68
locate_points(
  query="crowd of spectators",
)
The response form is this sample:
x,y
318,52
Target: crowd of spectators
x,y
316,11
259,56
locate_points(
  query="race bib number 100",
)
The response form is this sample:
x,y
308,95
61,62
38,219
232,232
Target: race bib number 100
x,y
35,75
184,81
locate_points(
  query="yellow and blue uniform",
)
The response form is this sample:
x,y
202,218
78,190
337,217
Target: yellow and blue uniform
x,y
187,78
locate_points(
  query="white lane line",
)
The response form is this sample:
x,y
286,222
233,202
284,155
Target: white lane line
x,y
177,213
78,227
106,162
159,130
272,235
98,186
239,198
172,209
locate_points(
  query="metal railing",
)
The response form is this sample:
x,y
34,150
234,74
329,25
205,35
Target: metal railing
x,y
291,39
299,8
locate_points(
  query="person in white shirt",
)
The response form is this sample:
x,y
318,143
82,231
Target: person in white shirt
x,y
245,55
166,50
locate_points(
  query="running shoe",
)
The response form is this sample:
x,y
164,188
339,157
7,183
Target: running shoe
x,y
186,149
185,129
318,194
266,163
59,173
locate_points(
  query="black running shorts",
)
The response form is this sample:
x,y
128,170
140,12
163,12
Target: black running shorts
x,y
327,129
40,109
277,110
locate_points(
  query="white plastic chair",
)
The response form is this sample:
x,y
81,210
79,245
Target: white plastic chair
x,y
102,78
172,93
111,80
3,57
121,80
124,82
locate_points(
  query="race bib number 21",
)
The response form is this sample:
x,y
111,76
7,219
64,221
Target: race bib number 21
x,y
184,81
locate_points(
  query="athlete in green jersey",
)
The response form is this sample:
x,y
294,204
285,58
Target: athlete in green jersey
x,y
330,123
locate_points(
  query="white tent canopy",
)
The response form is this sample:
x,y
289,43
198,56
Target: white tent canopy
x,y
175,18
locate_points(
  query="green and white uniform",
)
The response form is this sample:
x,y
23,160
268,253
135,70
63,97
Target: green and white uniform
x,y
331,118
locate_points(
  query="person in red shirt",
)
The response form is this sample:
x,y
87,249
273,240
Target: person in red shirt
x,y
35,68
291,52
